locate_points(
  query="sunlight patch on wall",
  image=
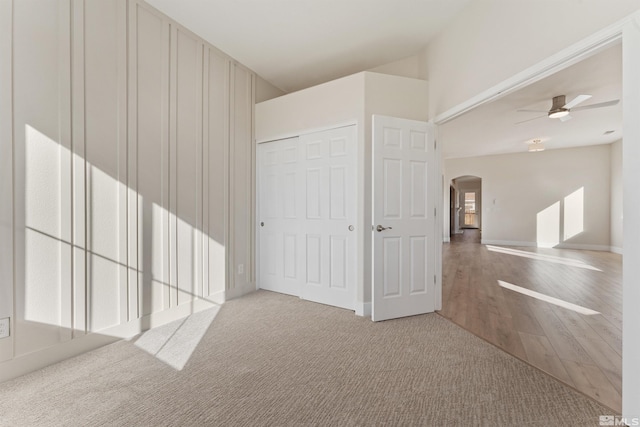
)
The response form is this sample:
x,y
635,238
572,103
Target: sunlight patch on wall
x,y
175,342
99,255
46,194
548,226
542,297
574,214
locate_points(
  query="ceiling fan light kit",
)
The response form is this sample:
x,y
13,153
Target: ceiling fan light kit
x,y
560,108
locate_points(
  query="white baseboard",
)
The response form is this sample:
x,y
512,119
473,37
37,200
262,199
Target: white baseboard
x,y
616,250
363,309
507,243
446,239
39,359
239,291
582,247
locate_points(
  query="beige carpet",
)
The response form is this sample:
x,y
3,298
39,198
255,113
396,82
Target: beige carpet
x,y
273,360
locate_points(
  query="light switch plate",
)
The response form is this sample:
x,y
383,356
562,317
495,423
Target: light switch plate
x,y
4,327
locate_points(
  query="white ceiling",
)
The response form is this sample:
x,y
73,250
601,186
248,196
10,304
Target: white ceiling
x,y
491,128
294,44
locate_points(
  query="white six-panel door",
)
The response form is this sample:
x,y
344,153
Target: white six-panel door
x,y
403,218
329,170
307,213
281,217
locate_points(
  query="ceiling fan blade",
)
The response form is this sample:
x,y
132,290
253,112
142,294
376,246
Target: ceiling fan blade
x,y
565,118
599,105
528,120
575,101
531,111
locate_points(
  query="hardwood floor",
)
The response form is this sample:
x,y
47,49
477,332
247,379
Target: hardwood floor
x,y
564,314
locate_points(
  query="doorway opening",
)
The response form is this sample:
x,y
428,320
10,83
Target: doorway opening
x,y
466,203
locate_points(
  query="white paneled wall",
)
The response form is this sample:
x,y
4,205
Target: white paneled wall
x,y
132,192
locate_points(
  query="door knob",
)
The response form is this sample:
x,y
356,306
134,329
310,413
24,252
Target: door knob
x,y
381,228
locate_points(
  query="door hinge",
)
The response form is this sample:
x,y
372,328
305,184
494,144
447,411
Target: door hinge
x,y
434,279
435,210
435,144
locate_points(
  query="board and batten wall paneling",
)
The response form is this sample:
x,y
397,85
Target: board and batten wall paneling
x,y
148,174
216,136
42,144
99,123
186,153
120,126
242,186
6,175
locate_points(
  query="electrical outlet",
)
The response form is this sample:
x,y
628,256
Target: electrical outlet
x,y
4,328
240,268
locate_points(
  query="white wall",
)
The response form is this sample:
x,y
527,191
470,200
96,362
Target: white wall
x,y
492,40
337,102
129,132
266,91
617,236
414,66
529,196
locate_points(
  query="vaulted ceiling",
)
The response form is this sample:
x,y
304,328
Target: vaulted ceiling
x,y
295,44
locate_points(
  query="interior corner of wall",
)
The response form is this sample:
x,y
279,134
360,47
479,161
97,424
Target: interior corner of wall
x,y
363,309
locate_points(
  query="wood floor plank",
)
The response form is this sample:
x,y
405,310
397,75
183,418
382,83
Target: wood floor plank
x,y
606,358
565,344
541,354
591,380
523,318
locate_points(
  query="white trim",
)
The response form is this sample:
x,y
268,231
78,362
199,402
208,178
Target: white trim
x,y
616,250
446,239
631,227
561,60
306,131
363,309
583,247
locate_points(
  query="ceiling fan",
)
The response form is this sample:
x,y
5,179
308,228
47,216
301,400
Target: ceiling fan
x,y
560,109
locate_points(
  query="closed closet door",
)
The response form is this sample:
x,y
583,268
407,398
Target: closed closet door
x,y
329,171
281,217
307,213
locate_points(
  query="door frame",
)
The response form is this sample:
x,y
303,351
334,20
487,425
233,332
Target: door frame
x,y
626,31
